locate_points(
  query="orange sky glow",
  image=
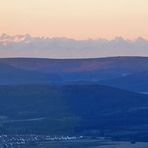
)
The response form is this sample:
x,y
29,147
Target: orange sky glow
x,y
79,19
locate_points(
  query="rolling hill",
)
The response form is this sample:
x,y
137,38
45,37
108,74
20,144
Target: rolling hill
x,y
129,73
73,96
70,109
118,65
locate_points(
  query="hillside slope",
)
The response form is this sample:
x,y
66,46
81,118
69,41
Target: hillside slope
x,y
63,109
73,71
137,82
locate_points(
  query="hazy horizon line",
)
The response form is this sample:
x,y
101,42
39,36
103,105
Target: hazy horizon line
x,y
73,58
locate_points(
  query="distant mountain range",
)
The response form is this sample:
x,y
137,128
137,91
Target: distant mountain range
x,y
28,46
26,38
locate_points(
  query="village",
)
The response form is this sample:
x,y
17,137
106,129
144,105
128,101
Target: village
x,y
18,141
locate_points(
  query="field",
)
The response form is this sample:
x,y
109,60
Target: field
x,y
91,144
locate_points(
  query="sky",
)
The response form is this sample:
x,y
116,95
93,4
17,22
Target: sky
x,y
78,19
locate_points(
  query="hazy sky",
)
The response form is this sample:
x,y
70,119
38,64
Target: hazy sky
x,y
79,19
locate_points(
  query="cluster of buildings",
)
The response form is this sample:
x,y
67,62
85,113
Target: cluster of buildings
x,y
17,141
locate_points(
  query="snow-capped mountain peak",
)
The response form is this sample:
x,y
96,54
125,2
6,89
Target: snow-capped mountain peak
x,y
8,39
